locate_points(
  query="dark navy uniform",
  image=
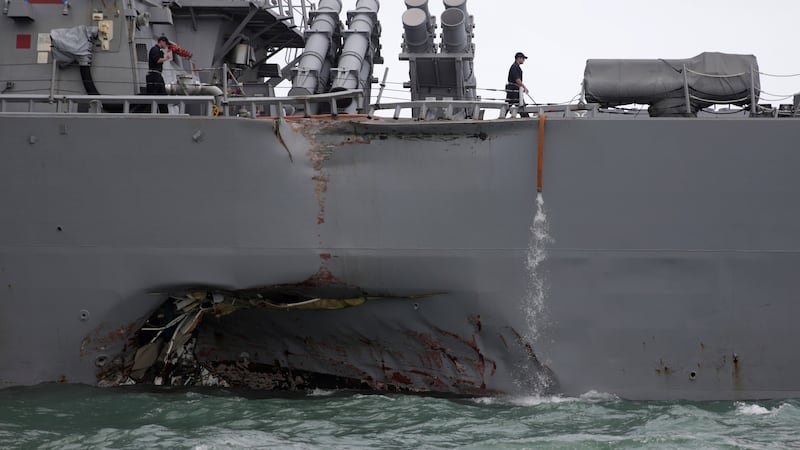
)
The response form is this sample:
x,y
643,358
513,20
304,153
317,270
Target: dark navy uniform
x,y
512,89
155,82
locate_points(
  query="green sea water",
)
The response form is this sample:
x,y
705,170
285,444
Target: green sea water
x,y
78,417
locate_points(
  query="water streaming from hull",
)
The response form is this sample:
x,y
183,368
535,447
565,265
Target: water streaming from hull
x,y
536,290
533,304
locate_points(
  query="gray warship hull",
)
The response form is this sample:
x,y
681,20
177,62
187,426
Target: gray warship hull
x,y
651,258
669,270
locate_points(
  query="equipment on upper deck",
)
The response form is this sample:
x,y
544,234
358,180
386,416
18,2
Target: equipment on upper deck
x,y
313,69
359,52
73,44
674,87
444,71
354,52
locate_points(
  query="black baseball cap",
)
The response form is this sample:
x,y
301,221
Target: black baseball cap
x,y
520,55
163,38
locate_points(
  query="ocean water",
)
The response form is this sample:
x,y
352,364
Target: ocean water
x,y
76,417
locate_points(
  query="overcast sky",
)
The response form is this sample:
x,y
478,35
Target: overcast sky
x,y
559,36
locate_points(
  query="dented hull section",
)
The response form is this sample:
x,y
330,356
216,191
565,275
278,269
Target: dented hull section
x,y
391,255
210,338
347,281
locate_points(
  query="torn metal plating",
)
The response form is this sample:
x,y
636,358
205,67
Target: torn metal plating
x,y
163,350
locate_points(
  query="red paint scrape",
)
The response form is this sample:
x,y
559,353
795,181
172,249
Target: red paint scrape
x,y
400,378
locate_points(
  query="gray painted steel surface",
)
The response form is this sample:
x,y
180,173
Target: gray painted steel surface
x,y
675,253
669,258
668,271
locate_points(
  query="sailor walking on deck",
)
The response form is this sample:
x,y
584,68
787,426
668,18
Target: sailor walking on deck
x,y
159,54
515,82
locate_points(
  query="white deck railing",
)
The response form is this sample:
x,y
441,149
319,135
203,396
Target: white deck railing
x,y
209,105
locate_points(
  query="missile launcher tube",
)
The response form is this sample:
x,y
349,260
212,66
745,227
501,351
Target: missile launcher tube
x,y
458,4
351,70
454,31
419,4
307,79
418,39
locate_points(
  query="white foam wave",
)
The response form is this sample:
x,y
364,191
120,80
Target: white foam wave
x,y
320,393
536,400
753,409
532,400
599,396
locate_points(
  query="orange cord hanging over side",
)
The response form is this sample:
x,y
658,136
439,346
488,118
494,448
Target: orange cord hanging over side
x,y
542,118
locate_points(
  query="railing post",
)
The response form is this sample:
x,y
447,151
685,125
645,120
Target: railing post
x,y
753,100
53,80
291,12
225,88
383,85
686,91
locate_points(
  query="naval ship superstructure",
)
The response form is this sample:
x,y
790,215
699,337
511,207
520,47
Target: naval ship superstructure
x,y
328,240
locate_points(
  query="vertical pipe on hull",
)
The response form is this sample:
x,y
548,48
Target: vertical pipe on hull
x,y
354,67
540,153
307,78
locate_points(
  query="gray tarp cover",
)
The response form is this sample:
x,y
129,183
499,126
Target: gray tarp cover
x,y
613,82
73,44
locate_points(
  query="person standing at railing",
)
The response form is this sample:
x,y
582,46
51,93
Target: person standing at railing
x,y
515,82
159,54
